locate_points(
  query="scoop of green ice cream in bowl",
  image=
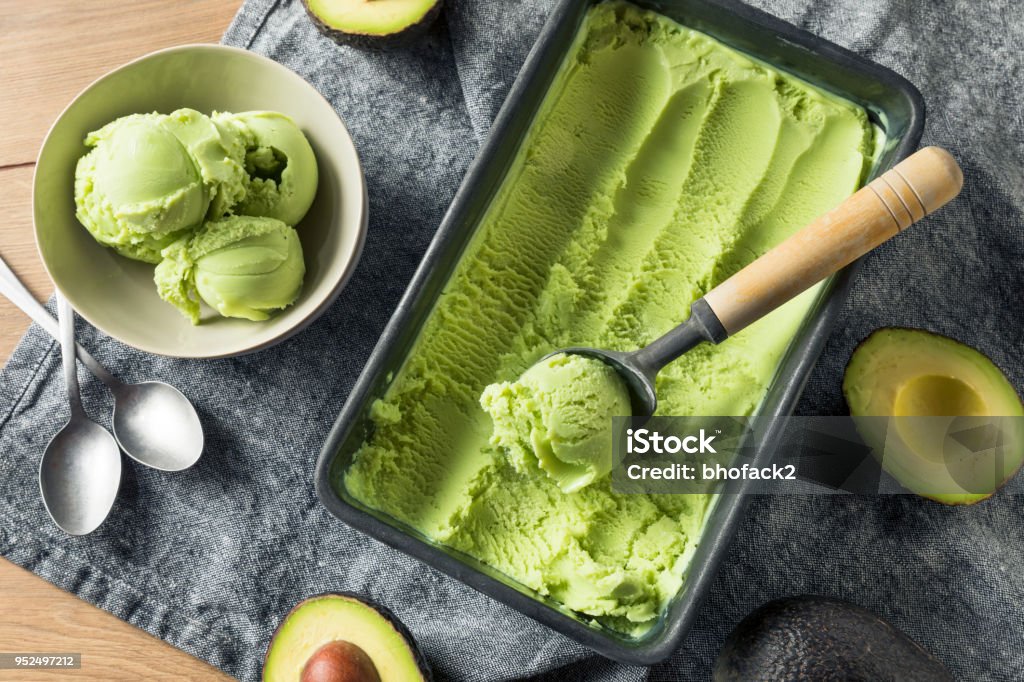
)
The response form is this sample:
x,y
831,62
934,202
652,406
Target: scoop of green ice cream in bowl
x,y
201,201
138,189
241,266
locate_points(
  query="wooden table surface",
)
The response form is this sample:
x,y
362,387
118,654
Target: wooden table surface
x,y
49,51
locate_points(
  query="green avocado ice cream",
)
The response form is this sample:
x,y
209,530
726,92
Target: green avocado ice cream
x,y
138,189
163,188
219,152
660,162
242,266
558,416
282,169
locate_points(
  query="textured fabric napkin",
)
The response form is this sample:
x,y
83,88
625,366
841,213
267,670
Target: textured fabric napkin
x,y
210,558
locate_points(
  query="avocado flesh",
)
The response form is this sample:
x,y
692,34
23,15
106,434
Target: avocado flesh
x,y
340,617
352,20
957,435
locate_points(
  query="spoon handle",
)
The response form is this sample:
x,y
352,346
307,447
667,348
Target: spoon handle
x,y
66,316
13,289
914,188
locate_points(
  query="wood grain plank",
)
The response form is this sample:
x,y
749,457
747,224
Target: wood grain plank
x,y
38,617
18,249
51,50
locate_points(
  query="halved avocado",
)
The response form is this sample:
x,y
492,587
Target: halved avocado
x,y
941,417
372,23
342,637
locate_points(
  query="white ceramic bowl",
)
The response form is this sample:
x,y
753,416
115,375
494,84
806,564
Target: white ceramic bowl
x,y
116,294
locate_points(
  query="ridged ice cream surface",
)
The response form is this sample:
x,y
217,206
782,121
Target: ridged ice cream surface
x,y
660,162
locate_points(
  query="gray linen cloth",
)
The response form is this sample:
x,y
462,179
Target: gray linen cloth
x,y
209,559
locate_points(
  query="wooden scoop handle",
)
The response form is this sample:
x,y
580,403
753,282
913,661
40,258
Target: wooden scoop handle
x,y
916,187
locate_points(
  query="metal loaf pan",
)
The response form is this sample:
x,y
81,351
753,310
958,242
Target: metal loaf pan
x,y
895,106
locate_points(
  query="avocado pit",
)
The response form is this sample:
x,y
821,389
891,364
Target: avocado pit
x,y
340,661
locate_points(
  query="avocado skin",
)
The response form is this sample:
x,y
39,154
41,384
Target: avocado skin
x,y
385,612
820,639
368,41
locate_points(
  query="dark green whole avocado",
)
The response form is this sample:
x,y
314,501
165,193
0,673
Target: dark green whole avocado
x,y
343,637
819,639
372,23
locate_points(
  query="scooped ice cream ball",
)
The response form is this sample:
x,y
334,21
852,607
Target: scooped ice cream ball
x,y
280,163
242,266
558,415
138,189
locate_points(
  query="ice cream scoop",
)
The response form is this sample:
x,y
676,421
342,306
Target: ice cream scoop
x,y
138,189
242,266
558,416
280,164
916,187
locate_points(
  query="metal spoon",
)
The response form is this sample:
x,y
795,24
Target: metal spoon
x,y
914,188
153,422
81,468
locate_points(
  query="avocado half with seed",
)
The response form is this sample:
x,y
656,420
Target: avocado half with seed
x,y
372,23
956,428
820,639
341,637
